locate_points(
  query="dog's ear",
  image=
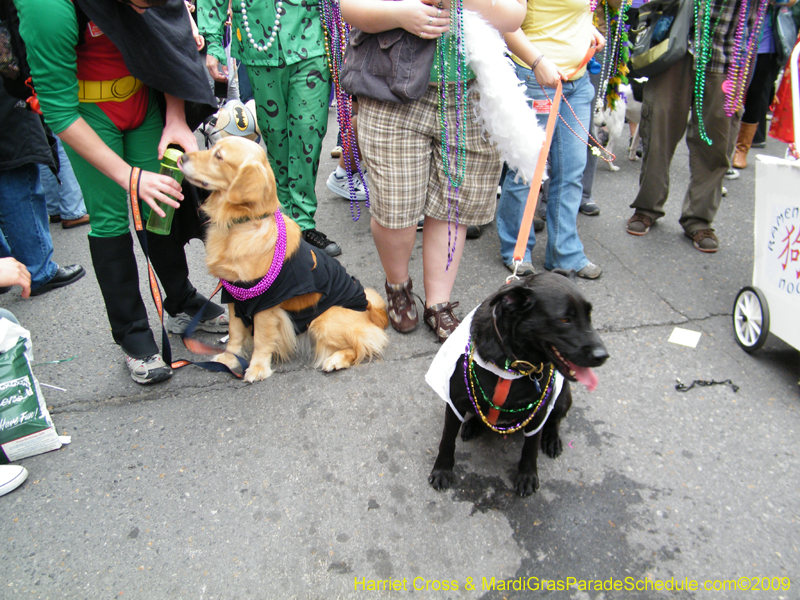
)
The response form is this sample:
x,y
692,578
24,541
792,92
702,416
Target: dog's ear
x,y
515,297
254,183
568,273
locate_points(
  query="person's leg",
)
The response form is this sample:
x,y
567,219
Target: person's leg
x,y
567,163
437,276
51,191
514,194
245,88
394,248
392,135
510,208
588,204
452,205
284,103
270,90
71,205
23,220
665,108
166,252
111,244
708,163
307,120
756,105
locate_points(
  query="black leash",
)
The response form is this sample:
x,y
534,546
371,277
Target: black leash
x,y
682,387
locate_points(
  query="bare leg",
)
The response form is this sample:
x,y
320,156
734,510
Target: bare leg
x,y
394,249
438,282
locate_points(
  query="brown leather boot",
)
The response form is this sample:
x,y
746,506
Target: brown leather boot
x,y
746,133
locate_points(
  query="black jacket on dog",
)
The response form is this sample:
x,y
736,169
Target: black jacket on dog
x,y
307,271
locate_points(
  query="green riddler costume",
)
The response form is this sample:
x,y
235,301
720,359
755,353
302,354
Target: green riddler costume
x,y
291,84
108,79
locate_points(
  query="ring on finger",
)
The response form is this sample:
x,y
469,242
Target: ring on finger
x,y
430,21
438,13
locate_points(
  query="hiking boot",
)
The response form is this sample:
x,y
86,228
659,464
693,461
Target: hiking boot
x,y
180,322
639,224
321,241
341,186
590,271
401,307
440,318
704,240
148,370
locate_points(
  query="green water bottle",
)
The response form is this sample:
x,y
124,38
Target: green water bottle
x,y
169,166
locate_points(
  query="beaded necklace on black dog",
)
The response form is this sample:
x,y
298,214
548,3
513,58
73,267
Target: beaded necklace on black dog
x,y
474,387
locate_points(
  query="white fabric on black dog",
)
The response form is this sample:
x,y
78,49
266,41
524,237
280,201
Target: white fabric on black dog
x,y
445,361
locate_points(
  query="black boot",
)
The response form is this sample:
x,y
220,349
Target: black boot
x,y
118,277
169,262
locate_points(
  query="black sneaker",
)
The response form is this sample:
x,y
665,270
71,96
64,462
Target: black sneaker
x,y
321,241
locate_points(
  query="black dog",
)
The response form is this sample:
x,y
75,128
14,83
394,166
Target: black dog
x,y
533,328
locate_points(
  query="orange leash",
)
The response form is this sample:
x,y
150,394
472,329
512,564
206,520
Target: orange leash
x,y
538,174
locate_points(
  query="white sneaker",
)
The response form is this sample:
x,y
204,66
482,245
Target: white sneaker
x,y
11,477
341,187
148,370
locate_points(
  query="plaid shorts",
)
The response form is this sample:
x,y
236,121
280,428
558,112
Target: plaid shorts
x,y
401,146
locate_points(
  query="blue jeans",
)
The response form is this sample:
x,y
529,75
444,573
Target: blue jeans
x,y
567,161
65,200
24,231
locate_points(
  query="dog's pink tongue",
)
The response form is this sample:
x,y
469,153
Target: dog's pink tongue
x,y
584,375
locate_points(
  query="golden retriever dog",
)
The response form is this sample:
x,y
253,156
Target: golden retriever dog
x,y
312,290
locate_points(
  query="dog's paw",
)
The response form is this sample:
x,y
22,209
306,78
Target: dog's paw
x,y
230,361
257,373
612,167
472,429
441,479
551,445
336,362
526,484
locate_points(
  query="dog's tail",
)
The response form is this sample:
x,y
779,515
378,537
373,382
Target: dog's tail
x,y
376,307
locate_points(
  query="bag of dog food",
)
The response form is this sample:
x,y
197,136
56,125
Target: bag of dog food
x,y
26,428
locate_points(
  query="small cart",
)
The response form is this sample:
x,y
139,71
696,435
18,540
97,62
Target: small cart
x,y
772,303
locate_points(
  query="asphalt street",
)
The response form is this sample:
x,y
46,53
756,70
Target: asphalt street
x,y
314,486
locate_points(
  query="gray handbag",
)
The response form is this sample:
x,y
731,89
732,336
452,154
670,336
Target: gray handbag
x,y
662,37
392,66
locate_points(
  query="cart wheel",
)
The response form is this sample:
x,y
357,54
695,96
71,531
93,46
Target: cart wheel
x,y
750,319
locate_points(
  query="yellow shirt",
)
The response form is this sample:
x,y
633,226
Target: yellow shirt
x,y
561,30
